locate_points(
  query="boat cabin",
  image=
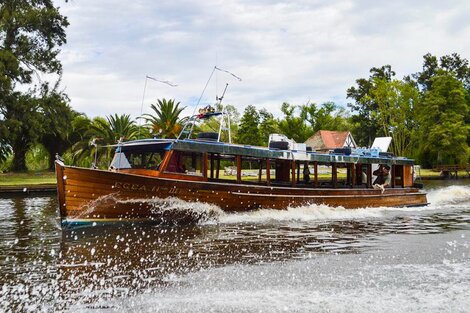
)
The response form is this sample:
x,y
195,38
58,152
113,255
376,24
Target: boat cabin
x,y
199,160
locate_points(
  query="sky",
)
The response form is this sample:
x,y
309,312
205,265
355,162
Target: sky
x,y
284,51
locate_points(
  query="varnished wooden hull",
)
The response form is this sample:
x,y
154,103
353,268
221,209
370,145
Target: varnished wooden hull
x,y
96,195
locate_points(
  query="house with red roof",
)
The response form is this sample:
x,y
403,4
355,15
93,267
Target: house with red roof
x,y
327,140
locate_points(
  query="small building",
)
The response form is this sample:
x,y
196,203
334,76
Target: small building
x,y
326,140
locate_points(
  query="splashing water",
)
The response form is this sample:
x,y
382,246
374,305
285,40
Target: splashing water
x,y
314,212
176,211
449,195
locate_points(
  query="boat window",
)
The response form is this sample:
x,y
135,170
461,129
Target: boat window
x,y
252,170
119,161
222,167
183,162
145,160
304,173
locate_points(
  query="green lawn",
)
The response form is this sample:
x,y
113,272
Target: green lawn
x,y
31,178
430,173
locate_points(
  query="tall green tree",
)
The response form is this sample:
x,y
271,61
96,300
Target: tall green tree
x,y
21,126
454,64
248,132
326,117
396,101
432,66
5,150
213,124
57,115
30,34
441,122
268,125
166,121
292,124
81,137
365,106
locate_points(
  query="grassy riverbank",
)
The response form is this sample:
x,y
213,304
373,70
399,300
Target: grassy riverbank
x,y
27,179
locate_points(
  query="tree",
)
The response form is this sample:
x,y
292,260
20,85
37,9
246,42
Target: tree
x,y
213,124
268,125
441,122
395,112
22,126
81,137
166,122
248,132
91,135
113,129
57,118
5,150
453,64
30,34
365,106
328,117
293,126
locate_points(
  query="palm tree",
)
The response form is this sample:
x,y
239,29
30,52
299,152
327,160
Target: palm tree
x,y
114,128
166,120
102,132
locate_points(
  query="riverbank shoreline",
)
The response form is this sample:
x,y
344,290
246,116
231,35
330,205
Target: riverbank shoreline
x,y
28,188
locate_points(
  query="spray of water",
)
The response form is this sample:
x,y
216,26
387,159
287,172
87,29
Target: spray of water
x,y
437,198
449,195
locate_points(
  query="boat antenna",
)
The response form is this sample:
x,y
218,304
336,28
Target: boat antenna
x,y
223,94
222,70
224,119
166,82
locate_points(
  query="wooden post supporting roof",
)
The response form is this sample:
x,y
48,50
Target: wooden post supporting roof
x,y
369,175
315,174
293,173
212,165
353,175
217,172
268,172
204,164
298,172
239,168
260,174
334,175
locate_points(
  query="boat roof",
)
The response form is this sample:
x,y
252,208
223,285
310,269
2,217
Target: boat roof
x,y
190,145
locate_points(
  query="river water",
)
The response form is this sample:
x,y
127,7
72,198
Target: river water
x,y
308,259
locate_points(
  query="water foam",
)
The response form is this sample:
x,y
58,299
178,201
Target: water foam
x,y
449,195
306,213
174,210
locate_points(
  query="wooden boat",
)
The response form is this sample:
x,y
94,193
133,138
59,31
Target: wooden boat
x,y
146,174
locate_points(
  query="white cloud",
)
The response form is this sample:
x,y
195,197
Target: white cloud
x,y
283,50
